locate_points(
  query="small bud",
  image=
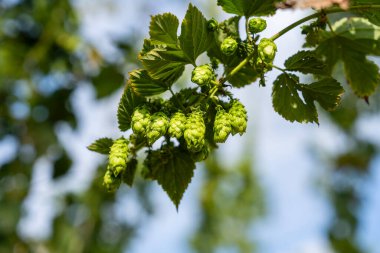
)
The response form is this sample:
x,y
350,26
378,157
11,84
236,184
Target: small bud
x,y
229,46
257,25
202,75
267,50
177,125
195,132
110,181
238,117
222,126
118,156
158,126
212,25
140,120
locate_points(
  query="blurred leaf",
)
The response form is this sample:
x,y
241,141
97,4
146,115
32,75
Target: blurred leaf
x,y
129,173
107,81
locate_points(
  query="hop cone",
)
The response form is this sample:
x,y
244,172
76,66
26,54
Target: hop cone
x,y
222,126
238,118
195,132
158,126
212,25
267,50
202,75
257,25
229,46
110,181
118,156
177,125
140,120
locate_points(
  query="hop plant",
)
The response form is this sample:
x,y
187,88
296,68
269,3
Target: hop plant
x,y
140,120
202,75
110,181
267,50
222,126
212,25
238,117
195,132
118,156
257,25
177,125
158,126
201,155
229,46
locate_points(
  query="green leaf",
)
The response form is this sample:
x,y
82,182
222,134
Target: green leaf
x,y
163,29
306,62
249,7
101,146
372,15
195,37
164,63
129,174
107,81
128,102
245,76
352,40
288,103
327,92
144,85
173,169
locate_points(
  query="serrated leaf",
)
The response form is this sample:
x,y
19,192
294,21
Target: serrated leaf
x,y
144,85
372,15
306,62
327,92
129,174
163,28
173,169
164,63
128,102
101,146
249,7
245,76
195,37
288,103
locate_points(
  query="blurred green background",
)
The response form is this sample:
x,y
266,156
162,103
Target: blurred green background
x,y
46,57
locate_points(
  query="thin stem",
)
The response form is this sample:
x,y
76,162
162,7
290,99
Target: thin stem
x,y
249,37
330,26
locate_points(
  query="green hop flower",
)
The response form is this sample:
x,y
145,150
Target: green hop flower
x,y
222,126
195,131
118,156
201,155
110,181
140,120
177,125
202,75
257,25
158,126
238,117
212,25
229,46
267,50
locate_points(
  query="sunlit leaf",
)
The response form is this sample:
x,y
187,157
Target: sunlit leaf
x,y
101,146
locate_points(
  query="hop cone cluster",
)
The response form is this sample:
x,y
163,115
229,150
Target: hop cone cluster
x,y
177,125
110,181
222,126
140,120
229,46
195,132
118,156
202,75
158,126
257,25
267,50
238,117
